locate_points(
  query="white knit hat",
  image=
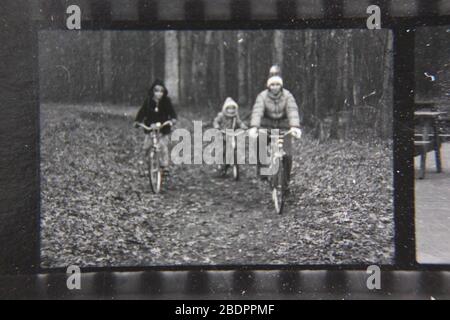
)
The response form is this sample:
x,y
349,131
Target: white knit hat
x,y
274,79
229,102
275,70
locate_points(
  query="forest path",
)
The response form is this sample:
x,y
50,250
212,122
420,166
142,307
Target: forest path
x,y
98,211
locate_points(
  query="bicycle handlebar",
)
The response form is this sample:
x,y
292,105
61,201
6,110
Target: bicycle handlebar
x,y
289,132
156,126
233,133
278,135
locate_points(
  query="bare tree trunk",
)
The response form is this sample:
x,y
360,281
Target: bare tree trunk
x,y
346,74
315,74
200,55
278,48
345,104
307,57
356,78
222,79
204,68
184,68
337,105
249,81
242,92
386,98
172,65
195,66
107,66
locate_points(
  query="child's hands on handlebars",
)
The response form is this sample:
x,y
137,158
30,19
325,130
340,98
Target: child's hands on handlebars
x,y
172,122
168,122
253,132
296,132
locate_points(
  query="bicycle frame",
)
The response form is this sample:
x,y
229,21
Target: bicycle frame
x,y
154,166
155,136
278,179
277,149
234,135
155,131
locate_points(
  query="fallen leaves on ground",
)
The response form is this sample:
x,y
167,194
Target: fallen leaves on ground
x,y
98,211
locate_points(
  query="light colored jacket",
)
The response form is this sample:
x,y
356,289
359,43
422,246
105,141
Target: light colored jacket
x,y
275,112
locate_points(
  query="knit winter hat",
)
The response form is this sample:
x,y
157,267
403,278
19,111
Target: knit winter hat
x,y
229,102
274,79
275,70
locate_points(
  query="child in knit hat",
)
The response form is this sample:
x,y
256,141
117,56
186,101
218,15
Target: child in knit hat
x,y
228,118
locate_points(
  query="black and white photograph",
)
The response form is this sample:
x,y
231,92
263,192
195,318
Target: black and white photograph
x,y
432,145
118,109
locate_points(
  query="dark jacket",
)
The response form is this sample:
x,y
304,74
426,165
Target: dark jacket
x,y
149,114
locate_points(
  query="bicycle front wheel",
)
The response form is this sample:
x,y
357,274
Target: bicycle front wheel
x,y
236,172
279,188
154,172
235,167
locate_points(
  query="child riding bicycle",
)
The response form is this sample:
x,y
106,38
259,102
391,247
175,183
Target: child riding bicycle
x,y
228,118
157,107
276,108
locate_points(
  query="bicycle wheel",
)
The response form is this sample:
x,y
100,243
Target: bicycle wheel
x,y
236,172
278,188
154,172
224,170
235,168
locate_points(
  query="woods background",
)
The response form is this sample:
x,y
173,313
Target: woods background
x,y
337,76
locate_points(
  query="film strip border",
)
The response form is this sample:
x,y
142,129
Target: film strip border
x,y
103,13
20,226
220,285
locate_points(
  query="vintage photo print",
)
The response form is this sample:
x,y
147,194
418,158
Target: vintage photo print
x,y
217,147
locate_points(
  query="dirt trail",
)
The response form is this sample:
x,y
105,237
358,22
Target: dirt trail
x,y
98,211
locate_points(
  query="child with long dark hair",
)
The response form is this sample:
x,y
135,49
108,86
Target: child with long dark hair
x,y
157,107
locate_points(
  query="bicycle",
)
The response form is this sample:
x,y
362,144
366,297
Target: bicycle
x,y
154,167
233,134
280,165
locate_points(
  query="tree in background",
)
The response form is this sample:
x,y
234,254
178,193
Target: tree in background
x,y
343,75
278,47
241,40
172,75
107,66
